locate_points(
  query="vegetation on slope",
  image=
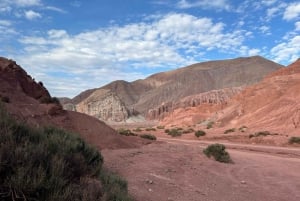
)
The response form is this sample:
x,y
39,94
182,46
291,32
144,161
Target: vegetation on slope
x,y
49,164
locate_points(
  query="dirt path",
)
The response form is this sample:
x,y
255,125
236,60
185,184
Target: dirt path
x,y
177,170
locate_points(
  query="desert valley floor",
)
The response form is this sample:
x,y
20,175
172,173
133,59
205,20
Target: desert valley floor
x,y
177,170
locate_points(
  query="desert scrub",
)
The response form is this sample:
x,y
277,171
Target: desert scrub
x,y
261,133
294,140
174,132
126,132
137,130
115,187
218,152
150,129
200,133
189,130
160,127
210,125
44,164
231,130
148,136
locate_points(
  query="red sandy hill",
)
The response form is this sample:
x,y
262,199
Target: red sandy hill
x,y
25,100
272,104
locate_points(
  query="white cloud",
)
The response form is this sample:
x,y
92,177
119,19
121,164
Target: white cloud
x,y
5,23
53,8
31,15
109,52
297,26
268,2
287,51
253,52
205,4
265,30
292,11
27,2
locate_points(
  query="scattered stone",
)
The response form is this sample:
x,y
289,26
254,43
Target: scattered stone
x,y
148,181
243,182
150,190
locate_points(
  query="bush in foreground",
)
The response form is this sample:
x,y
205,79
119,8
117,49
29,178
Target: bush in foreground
x,y
148,136
114,186
47,164
294,140
218,152
200,133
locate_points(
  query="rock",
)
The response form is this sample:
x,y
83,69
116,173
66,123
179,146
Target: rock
x,y
243,182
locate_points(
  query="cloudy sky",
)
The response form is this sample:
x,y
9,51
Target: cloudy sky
x,y
73,45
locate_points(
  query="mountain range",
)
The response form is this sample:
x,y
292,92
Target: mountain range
x,y
160,94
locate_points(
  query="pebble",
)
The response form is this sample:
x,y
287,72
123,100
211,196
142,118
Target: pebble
x,y
243,182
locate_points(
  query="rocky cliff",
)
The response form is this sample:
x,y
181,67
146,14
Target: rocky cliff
x,y
221,96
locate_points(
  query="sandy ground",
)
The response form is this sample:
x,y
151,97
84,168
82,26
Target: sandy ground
x,y
177,170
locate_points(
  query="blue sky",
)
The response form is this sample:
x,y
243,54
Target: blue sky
x,y
74,45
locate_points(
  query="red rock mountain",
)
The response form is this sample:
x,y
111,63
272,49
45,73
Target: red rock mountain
x,y
159,94
30,102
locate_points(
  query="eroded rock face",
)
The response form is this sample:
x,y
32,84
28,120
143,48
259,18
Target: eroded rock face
x,y
104,105
221,96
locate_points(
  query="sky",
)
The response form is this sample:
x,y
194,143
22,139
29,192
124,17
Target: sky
x,y
74,45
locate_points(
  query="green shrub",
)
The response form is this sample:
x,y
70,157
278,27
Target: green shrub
x,y
175,132
200,133
160,127
231,130
295,140
126,132
150,129
218,152
210,125
189,130
148,136
137,130
167,130
51,164
260,133
114,186
43,164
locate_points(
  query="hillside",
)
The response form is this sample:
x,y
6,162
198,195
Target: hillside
x,y
120,100
31,103
272,104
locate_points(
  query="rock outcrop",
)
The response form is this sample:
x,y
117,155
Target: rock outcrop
x,y
221,96
104,105
13,74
